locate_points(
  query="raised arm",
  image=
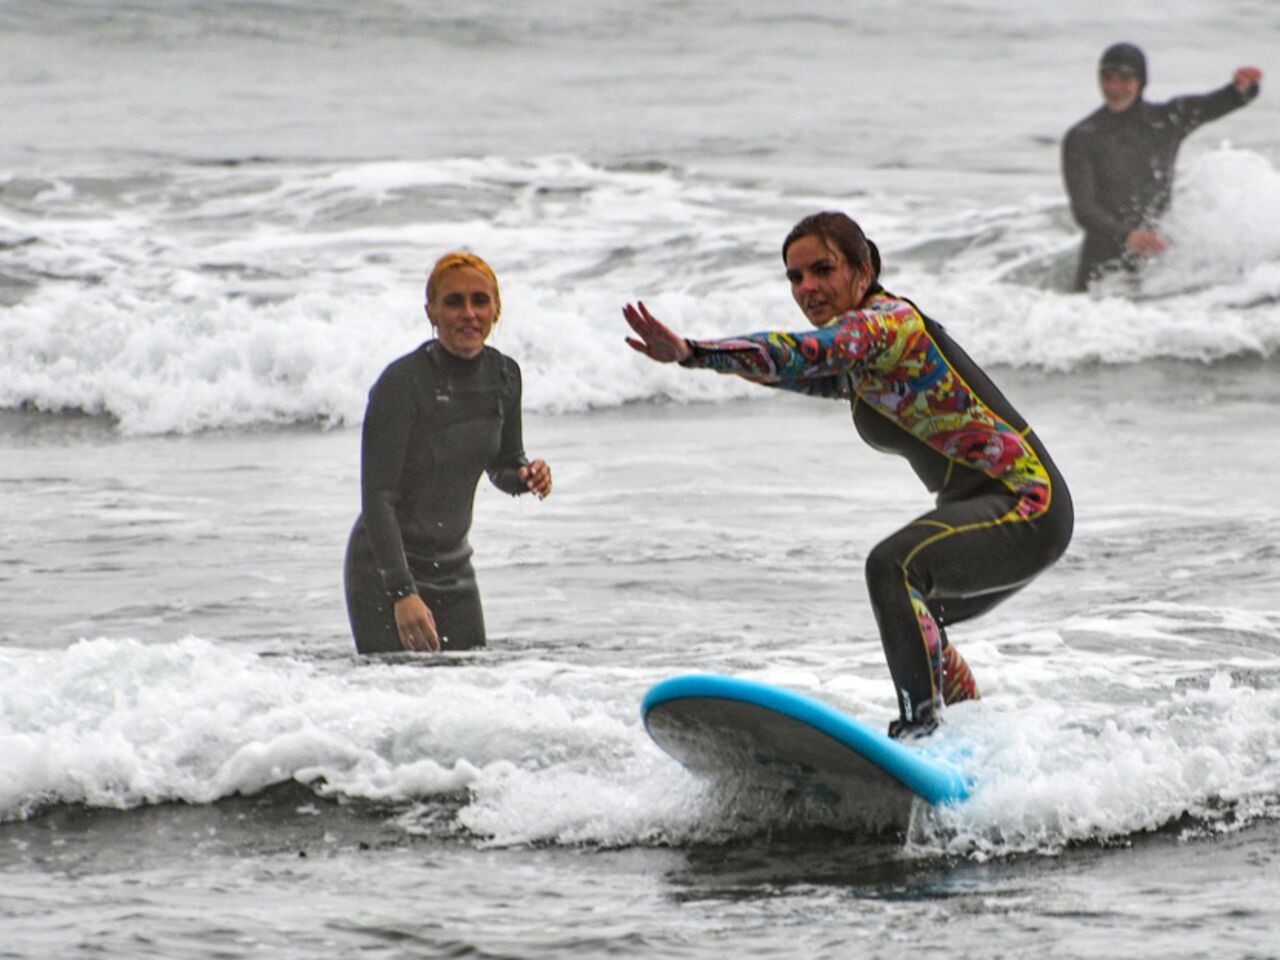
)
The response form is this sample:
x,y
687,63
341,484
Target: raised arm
x,y
1198,109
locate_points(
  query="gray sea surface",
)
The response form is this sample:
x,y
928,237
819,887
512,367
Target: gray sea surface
x,y
215,221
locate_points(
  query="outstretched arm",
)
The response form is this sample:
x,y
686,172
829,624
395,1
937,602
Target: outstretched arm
x,y
658,342
777,358
1191,112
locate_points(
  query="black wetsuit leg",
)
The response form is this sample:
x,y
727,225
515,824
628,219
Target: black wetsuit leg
x,y
452,596
955,562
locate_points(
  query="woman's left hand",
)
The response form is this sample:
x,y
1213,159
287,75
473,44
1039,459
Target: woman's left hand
x,y
537,477
1246,77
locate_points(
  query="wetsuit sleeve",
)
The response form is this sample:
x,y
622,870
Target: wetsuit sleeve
x,y
814,361
834,387
388,421
1192,112
504,471
1080,175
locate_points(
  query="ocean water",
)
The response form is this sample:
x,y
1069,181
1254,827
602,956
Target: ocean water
x,y
215,221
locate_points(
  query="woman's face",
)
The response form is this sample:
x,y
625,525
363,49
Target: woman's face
x,y
822,282
464,310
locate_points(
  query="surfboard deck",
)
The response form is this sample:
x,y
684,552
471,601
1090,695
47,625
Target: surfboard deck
x,y
729,728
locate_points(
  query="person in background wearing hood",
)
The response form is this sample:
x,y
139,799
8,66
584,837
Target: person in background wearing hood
x,y
1118,161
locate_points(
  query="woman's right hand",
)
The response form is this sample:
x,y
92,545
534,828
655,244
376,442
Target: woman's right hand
x,y
657,341
416,625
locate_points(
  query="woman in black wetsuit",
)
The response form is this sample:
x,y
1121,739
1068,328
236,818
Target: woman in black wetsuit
x,y
437,418
1002,513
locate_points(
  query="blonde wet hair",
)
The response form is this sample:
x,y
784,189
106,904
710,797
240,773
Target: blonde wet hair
x,y
460,258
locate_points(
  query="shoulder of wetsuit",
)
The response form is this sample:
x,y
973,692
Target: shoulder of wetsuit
x,y
929,322
881,293
1092,123
508,370
429,351
400,372
434,360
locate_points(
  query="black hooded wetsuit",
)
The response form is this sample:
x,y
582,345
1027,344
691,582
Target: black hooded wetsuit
x,y
1118,169
434,423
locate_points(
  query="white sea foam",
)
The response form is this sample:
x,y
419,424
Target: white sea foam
x,y
546,752
221,297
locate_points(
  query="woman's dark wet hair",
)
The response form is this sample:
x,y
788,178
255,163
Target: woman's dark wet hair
x,y
840,231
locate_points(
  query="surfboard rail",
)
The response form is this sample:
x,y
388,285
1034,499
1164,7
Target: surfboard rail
x,y
928,777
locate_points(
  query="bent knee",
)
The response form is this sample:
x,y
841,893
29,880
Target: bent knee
x,y
885,567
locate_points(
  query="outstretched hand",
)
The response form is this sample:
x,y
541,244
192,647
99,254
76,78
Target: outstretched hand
x,y
657,341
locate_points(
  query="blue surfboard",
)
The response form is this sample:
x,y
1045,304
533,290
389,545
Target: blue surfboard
x,y
746,731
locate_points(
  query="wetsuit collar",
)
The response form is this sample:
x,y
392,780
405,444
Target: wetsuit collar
x,y
1132,110
443,358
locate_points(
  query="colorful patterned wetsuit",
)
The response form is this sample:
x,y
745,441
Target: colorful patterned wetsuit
x,y
1003,513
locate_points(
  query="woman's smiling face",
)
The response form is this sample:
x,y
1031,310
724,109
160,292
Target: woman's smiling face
x,y
822,282
464,310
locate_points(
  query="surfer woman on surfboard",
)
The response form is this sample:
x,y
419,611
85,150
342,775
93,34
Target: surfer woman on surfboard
x,y
1002,512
